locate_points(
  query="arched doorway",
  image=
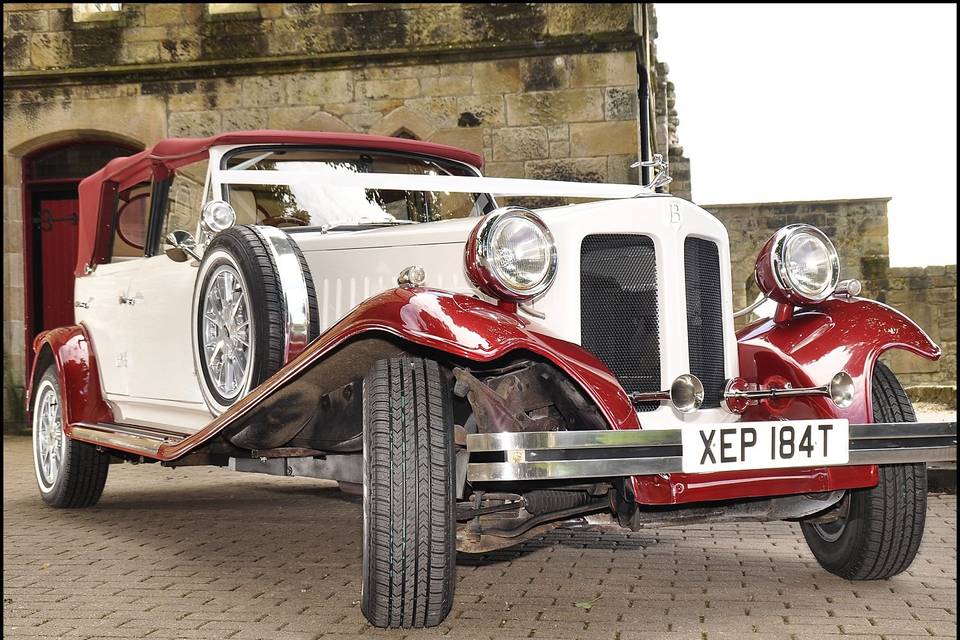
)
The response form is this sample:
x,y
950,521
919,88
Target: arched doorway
x,y
50,224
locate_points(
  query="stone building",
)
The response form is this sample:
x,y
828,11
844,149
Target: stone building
x,y
541,90
563,91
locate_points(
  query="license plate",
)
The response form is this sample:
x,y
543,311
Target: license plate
x,y
764,445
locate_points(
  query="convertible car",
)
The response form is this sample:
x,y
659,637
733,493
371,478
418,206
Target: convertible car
x,y
364,310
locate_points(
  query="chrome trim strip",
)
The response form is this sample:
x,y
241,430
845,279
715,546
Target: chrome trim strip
x,y
294,285
119,437
750,307
519,448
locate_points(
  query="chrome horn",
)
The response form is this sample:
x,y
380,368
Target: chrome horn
x,y
739,394
686,394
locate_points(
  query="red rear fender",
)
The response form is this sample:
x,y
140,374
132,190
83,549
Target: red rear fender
x,y
70,350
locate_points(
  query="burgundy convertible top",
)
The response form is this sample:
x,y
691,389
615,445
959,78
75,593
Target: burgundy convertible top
x,y
166,155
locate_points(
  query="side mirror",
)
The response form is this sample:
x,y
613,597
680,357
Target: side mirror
x,y
183,246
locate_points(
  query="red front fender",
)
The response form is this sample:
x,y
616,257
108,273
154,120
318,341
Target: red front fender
x,y
838,335
72,353
466,327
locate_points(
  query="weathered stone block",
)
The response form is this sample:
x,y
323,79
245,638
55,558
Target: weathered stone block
x,y
162,14
441,112
469,139
289,117
555,107
50,50
16,51
319,88
520,143
263,91
244,119
620,103
604,69
142,52
375,89
544,73
603,138
26,20
194,124
446,86
574,169
504,169
144,34
485,109
558,132
560,149
498,76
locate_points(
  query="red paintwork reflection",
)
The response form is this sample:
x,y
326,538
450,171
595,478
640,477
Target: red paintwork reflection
x,y
470,328
839,335
80,391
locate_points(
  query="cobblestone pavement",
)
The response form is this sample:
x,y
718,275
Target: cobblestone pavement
x,y
206,553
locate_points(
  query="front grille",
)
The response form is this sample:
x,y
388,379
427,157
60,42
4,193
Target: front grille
x,y
618,308
704,316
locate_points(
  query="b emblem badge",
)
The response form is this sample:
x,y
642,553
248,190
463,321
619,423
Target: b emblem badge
x,y
674,213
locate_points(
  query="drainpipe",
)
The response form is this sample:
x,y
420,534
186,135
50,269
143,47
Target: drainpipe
x,y
643,75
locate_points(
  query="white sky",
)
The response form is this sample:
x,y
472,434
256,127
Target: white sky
x,y
815,102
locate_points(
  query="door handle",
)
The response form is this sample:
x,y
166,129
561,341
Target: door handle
x,y
125,300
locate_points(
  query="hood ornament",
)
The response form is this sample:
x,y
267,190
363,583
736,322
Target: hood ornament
x,y
662,176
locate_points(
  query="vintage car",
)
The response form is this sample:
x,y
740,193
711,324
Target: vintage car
x,y
362,309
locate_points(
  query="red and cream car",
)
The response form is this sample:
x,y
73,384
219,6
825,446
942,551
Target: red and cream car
x,y
361,309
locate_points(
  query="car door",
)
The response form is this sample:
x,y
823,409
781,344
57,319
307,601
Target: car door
x,y
163,384
103,303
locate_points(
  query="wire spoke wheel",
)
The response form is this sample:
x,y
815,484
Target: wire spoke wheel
x,y
227,347
49,442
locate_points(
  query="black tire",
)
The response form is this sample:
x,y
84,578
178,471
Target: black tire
x,y
409,529
880,535
82,470
244,250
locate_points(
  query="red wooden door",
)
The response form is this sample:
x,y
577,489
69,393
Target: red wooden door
x,y
58,255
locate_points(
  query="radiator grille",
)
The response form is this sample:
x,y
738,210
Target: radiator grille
x,y
705,316
618,308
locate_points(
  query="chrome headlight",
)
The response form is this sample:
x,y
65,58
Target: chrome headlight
x,y
798,265
511,255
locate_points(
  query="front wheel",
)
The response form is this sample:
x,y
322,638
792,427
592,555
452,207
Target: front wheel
x,y
409,529
70,474
880,533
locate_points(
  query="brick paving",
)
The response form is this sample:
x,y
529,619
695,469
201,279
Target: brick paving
x,y
207,553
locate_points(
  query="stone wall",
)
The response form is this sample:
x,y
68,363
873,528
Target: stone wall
x,y
929,296
859,230
541,90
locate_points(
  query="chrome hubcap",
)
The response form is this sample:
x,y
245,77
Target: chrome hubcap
x,y
48,439
226,332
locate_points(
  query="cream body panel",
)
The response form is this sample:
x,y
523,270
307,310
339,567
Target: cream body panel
x,y
163,382
350,267
107,323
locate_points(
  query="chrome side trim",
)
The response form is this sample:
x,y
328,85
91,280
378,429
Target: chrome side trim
x,y
558,455
294,284
140,440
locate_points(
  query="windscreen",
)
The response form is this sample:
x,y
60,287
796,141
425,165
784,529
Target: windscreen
x,y
317,201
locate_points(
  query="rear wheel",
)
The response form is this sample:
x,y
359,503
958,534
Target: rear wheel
x,y
70,474
409,554
880,531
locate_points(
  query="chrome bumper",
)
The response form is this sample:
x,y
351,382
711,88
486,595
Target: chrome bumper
x,y
558,455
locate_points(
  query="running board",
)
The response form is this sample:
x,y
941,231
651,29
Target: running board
x,y
138,440
555,455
